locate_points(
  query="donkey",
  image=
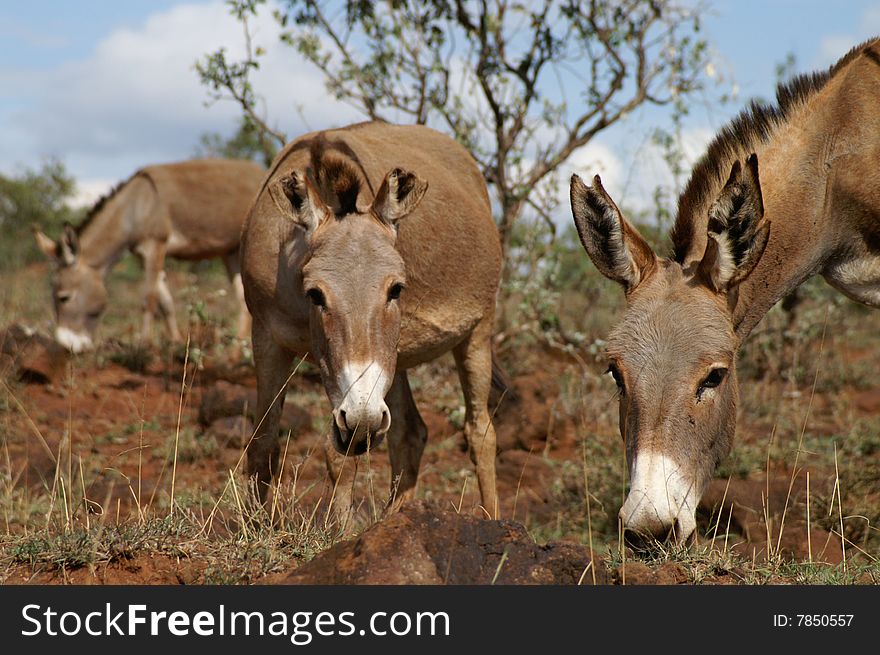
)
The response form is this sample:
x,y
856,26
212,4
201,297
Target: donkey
x,y
351,258
741,242
187,210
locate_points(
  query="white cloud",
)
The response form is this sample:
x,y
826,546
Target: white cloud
x,y
88,191
595,159
630,174
833,46
137,99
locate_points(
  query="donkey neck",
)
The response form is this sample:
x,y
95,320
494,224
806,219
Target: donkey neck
x,y
819,206
113,228
104,241
794,162
794,179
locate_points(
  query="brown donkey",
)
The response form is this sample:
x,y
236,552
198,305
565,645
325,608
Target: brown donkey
x,y
372,249
187,210
740,245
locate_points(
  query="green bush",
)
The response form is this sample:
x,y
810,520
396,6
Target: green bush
x,y
36,197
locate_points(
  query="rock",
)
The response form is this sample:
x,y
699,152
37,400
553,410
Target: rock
x,y
231,431
224,400
32,356
424,545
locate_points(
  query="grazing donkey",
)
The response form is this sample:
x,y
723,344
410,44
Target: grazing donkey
x,y
187,210
372,249
740,245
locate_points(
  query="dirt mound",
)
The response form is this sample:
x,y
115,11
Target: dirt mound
x,y
527,419
31,356
750,504
868,401
424,545
146,568
227,411
638,573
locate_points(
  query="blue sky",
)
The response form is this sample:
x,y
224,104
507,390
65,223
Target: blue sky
x,y
107,87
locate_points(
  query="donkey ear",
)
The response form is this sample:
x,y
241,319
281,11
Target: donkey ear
x,y
296,198
46,245
737,232
398,195
68,245
616,248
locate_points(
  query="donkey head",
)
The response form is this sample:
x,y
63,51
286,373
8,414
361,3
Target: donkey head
x,y
673,354
78,291
354,276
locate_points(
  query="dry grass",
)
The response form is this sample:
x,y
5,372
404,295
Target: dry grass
x,y
798,383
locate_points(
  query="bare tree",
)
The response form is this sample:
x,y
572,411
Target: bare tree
x,y
522,85
231,80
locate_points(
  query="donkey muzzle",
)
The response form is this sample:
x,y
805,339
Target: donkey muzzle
x,y
354,433
75,342
662,501
361,417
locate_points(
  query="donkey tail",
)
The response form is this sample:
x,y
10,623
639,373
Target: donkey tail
x,y
501,388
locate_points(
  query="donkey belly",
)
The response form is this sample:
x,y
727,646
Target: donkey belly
x,y
205,246
419,352
857,278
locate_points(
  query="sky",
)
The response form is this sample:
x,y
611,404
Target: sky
x,y
107,87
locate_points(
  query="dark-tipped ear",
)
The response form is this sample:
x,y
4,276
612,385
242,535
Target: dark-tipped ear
x,y
296,197
738,232
398,195
68,245
46,245
616,248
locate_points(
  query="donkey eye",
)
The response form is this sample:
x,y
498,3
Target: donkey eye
x,y
615,373
394,291
716,376
317,297
64,297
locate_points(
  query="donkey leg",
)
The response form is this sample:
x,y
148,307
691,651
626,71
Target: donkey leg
x,y
166,306
273,365
152,255
342,472
243,329
473,358
406,441
146,252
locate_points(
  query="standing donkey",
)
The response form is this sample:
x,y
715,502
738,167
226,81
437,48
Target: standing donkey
x,y
372,249
187,210
742,241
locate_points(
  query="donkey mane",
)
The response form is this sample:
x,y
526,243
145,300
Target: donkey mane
x,y
99,205
754,125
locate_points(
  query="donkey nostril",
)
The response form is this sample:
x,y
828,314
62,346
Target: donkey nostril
x,y
341,423
386,421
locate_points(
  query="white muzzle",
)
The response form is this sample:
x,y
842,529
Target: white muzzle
x,y
662,499
75,342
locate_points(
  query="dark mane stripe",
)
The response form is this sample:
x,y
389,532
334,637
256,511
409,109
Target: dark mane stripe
x,y
99,205
754,125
